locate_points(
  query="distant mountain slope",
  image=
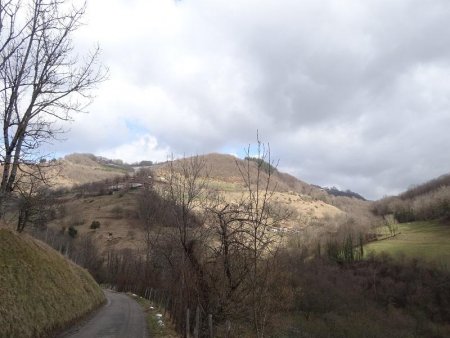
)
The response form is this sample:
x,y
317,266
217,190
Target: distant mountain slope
x,y
311,202
310,207
225,168
427,201
427,187
85,168
40,290
348,193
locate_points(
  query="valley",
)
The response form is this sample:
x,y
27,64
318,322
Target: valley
x,y
224,169
143,229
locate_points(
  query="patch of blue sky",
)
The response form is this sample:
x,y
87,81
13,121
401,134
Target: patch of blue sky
x,y
238,151
135,128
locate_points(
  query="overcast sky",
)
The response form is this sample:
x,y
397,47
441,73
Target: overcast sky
x,y
354,94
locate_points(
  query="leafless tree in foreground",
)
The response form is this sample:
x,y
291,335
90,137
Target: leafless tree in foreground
x,y
42,80
236,247
187,192
210,250
248,224
34,201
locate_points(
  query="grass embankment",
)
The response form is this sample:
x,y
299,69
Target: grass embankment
x,y
155,316
427,240
40,291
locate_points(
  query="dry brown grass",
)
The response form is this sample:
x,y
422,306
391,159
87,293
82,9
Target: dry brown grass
x,y
74,169
80,169
117,213
40,290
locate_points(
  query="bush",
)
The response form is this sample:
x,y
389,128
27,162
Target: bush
x,y
95,225
72,232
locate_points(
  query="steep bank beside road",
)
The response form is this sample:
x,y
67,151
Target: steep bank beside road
x,y
40,291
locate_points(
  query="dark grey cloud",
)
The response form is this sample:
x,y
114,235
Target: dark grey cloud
x,y
349,93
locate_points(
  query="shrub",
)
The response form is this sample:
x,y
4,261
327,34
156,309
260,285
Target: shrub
x,y
72,232
95,225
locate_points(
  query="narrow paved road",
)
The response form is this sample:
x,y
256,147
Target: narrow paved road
x,y
120,317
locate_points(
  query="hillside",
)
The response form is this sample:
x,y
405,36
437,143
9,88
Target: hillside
x,y
311,209
425,202
309,202
427,187
348,193
425,240
423,214
225,168
85,168
40,291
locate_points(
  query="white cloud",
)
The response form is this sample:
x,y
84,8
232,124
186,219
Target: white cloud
x,y
349,93
144,148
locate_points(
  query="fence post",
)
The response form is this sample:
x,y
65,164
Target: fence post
x,y
228,326
188,329
197,322
210,325
166,304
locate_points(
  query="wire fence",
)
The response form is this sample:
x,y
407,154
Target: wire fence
x,y
196,323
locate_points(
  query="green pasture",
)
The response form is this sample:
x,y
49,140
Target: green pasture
x,y
427,240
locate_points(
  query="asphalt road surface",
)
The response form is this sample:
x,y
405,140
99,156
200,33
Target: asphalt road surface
x,y
120,317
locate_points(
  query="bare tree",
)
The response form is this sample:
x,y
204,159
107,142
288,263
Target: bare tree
x,y
9,33
33,200
42,80
244,245
260,215
187,190
229,261
210,251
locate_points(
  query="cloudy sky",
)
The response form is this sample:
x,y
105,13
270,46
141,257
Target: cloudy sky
x,y
354,94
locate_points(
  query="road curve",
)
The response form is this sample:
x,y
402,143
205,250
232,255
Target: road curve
x,y
120,317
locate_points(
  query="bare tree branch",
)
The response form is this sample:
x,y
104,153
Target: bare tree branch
x,y
42,82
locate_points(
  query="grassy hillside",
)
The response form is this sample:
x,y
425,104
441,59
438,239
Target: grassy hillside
x,y
224,168
428,240
121,228
313,201
84,168
424,213
118,216
40,290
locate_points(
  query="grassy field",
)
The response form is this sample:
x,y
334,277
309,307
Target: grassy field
x,y
427,240
40,291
